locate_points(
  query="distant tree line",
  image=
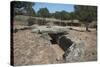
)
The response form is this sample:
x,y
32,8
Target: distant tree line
x,y
23,8
86,14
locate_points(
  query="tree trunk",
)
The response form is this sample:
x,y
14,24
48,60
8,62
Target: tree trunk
x,y
71,24
87,26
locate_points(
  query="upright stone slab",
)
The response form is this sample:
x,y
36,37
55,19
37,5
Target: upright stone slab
x,y
76,52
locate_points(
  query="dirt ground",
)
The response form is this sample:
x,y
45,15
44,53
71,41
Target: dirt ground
x,y
31,48
89,39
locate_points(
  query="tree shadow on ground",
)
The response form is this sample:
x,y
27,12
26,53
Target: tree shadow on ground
x,y
80,30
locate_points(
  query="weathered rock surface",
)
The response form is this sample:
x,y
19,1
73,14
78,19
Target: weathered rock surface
x,y
75,52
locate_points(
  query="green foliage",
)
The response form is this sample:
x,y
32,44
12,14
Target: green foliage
x,y
20,7
63,15
30,22
72,15
57,15
43,12
86,13
15,30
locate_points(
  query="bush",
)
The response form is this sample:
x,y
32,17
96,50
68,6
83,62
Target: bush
x,y
30,22
15,30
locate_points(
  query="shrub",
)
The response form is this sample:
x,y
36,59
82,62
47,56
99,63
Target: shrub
x,y
30,22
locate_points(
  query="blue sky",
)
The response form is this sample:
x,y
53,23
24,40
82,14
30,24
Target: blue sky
x,y
54,7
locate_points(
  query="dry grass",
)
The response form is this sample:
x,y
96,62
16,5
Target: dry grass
x,y
30,48
89,39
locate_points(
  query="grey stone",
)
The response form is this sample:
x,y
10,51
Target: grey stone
x,y
76,52
53,29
